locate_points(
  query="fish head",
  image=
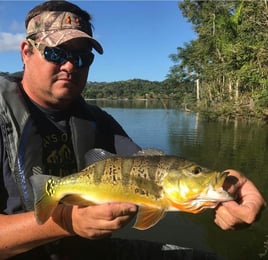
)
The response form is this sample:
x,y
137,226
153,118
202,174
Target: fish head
x,y
194,188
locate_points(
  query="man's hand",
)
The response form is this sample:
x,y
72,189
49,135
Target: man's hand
x,y
247,206
98,221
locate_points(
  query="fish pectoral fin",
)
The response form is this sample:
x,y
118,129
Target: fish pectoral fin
x,y
76,200
148,217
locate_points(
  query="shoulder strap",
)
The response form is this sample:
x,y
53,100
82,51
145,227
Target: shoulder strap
x,y
12,120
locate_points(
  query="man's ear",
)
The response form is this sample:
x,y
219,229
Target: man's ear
x,y
26,50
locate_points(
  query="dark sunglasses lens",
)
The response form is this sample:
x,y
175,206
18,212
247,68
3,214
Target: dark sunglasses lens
x,y
83,60
55,55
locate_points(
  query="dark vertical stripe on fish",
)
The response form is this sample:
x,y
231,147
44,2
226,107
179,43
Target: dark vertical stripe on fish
x,y
99,168
126,168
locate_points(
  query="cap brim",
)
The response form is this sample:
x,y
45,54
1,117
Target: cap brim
x,y
55,38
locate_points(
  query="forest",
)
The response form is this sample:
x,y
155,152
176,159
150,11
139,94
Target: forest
x,y
221,73
228,59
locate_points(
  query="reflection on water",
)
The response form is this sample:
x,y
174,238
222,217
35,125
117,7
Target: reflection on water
x,y
212,144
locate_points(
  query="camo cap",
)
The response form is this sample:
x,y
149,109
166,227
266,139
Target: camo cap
x,y
56,27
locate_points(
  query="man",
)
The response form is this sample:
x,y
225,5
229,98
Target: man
x,y
46,127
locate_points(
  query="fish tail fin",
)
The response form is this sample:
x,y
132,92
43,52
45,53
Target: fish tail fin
x,y
44,204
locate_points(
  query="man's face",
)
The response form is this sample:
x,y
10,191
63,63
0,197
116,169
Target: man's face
x,y
54,85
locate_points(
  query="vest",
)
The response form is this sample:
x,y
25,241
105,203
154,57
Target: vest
x,y
23,143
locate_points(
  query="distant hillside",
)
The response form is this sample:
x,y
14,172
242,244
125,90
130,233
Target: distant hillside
x,y
130,89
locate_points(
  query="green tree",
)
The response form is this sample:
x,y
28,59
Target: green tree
x,y
229,55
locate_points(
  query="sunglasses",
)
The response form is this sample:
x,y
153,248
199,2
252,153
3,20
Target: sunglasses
x,y
60,56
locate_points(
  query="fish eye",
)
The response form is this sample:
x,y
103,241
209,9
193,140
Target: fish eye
x,y
196,170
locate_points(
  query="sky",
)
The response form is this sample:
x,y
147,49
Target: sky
x,y
137,37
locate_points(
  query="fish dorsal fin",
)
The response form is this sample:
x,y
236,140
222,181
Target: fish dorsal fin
x,y
95,155
148,217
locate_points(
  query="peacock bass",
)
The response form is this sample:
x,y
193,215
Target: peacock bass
x,y
156,183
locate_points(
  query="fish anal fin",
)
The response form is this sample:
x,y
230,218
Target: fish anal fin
x,y
148,217
76,200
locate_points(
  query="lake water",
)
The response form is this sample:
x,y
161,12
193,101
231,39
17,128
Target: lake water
x,y
213,144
